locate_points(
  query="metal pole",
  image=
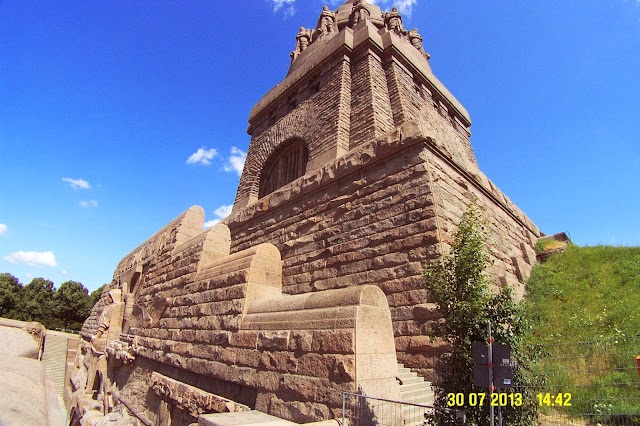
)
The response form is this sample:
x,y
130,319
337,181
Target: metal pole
x,y
491,388
344,399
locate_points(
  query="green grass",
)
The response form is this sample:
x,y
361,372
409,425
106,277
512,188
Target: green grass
x,y
585,304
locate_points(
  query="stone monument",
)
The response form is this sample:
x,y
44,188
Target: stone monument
x,y
358,170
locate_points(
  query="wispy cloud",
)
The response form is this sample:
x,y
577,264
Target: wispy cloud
x,y
3,228
221,212
202,156
88,203
32,258
404,6
77,183
287,7
236,160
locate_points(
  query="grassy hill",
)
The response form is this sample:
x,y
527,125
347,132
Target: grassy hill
x,y
585,303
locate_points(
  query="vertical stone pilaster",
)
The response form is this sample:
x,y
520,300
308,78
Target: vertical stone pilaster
x,y
371,113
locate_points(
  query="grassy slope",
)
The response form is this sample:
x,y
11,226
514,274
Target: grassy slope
x,y
589,294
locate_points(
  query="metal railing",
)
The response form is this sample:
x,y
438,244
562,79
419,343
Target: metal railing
x,y
600,377
362,410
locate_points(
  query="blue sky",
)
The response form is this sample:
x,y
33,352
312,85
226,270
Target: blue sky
x,y
117,116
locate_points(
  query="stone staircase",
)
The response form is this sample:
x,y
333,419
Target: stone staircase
x,y
414,390
54,359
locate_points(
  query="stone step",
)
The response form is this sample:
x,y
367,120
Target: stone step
x,y
420,392
409,378
54,360
413,416
414,390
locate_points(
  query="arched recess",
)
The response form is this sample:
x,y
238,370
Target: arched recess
x,y
284,165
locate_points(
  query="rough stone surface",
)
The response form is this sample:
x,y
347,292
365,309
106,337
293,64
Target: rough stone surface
x,y
17,342
27,397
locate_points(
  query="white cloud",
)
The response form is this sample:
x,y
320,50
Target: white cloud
x,y
221,212
236,160
286,6
64,272
33,258
77,183
404,6
202,156
210,223
88,203
3,228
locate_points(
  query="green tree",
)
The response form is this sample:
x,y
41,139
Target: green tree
x,y
460,288
36,302
10,289
71,304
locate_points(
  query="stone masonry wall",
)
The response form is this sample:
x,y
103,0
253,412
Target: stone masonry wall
x,y
371,114
212,334
377,216
413,101
319,118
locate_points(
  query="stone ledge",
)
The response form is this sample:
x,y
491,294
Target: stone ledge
x,y
190,398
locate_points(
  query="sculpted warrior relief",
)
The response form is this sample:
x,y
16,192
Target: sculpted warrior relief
x,y
360,12
416,41
109,328
303,40
327,21
327,24
393,21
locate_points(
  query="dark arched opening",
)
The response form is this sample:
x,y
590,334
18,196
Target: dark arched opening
x,y
285,165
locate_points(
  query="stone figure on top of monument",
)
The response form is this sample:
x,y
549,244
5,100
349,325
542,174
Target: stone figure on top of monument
x,y
416,41
303,40
393,21
327,20
360,11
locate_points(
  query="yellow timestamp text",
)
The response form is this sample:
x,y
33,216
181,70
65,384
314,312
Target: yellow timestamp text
x,y
554,400
498,399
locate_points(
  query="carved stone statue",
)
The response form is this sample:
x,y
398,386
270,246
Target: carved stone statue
x,y
109,328
303,39
416,41
327,21
393,21
360,12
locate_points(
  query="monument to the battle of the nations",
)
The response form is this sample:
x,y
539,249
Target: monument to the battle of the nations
x,y
358,171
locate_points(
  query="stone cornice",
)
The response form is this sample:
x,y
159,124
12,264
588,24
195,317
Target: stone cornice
x,y
409,136
346,41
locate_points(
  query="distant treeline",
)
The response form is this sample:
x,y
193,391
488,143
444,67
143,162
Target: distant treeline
x,y
66,307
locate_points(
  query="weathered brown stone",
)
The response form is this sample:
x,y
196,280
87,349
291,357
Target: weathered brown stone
x,y
244,339
333,341
301,341
273,340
